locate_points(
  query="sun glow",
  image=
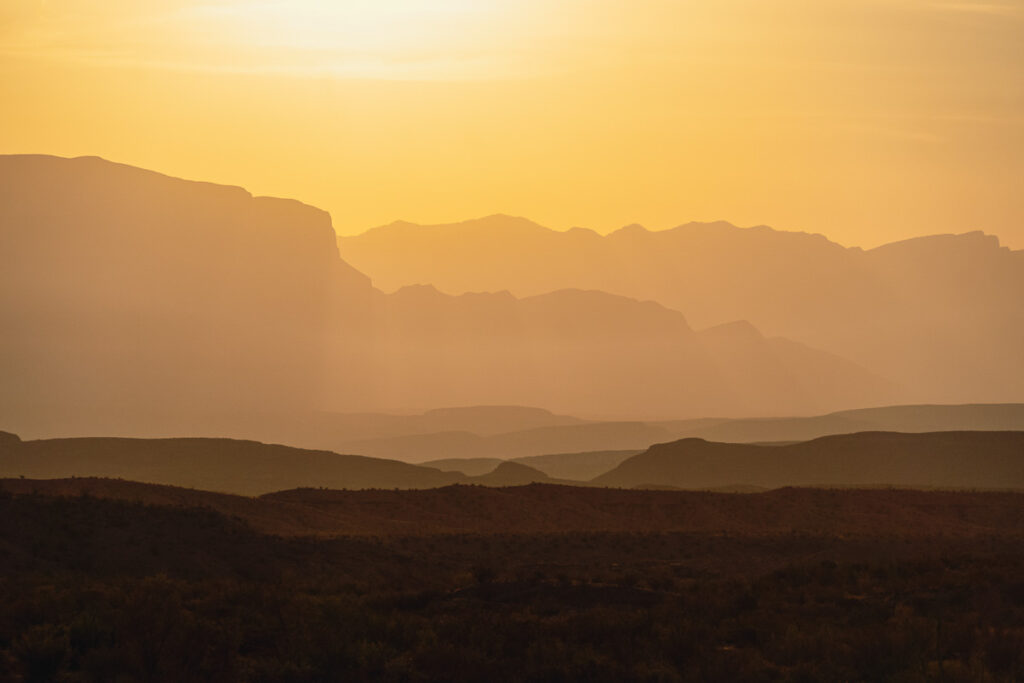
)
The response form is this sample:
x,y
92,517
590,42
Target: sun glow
x,y
355,24
869,121
360,38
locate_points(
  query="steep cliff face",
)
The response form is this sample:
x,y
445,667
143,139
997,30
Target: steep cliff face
x,y
125,289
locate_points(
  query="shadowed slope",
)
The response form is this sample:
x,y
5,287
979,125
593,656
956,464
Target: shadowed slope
x,y
513,474
245,467
939,459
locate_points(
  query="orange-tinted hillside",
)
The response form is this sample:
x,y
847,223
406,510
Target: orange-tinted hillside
x,y
940,315
131,297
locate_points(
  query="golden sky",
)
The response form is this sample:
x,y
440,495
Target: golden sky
x,y
865,120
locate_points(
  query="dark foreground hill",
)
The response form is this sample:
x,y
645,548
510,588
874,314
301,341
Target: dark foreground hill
x,y
241,467
937,459
245,467
869,585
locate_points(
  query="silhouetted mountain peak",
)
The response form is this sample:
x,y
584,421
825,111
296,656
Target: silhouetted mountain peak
x,y
95,172
631,230
975,242
709,225
511,474
682,443
418,292
514,468
505,219
764,232
92,164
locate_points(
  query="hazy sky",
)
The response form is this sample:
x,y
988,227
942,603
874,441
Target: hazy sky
x,y
866,120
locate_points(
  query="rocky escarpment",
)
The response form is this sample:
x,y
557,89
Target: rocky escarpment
x,y
128,289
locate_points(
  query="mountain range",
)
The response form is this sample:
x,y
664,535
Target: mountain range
x,y
569,447
939,315
588,352
132,298
993,460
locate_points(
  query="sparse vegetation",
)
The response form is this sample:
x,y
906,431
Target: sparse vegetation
x,y
99,590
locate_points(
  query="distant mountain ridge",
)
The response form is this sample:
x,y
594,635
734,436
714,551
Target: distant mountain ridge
x,y
577,351
129,292
941,315
571,450
907,418
513,445
561,446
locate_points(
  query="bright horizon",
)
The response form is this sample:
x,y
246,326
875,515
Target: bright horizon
x,y
868,122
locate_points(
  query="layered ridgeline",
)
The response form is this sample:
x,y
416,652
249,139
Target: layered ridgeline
x,y
941,315
133,301
588,352
474,440
984,460
233,466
